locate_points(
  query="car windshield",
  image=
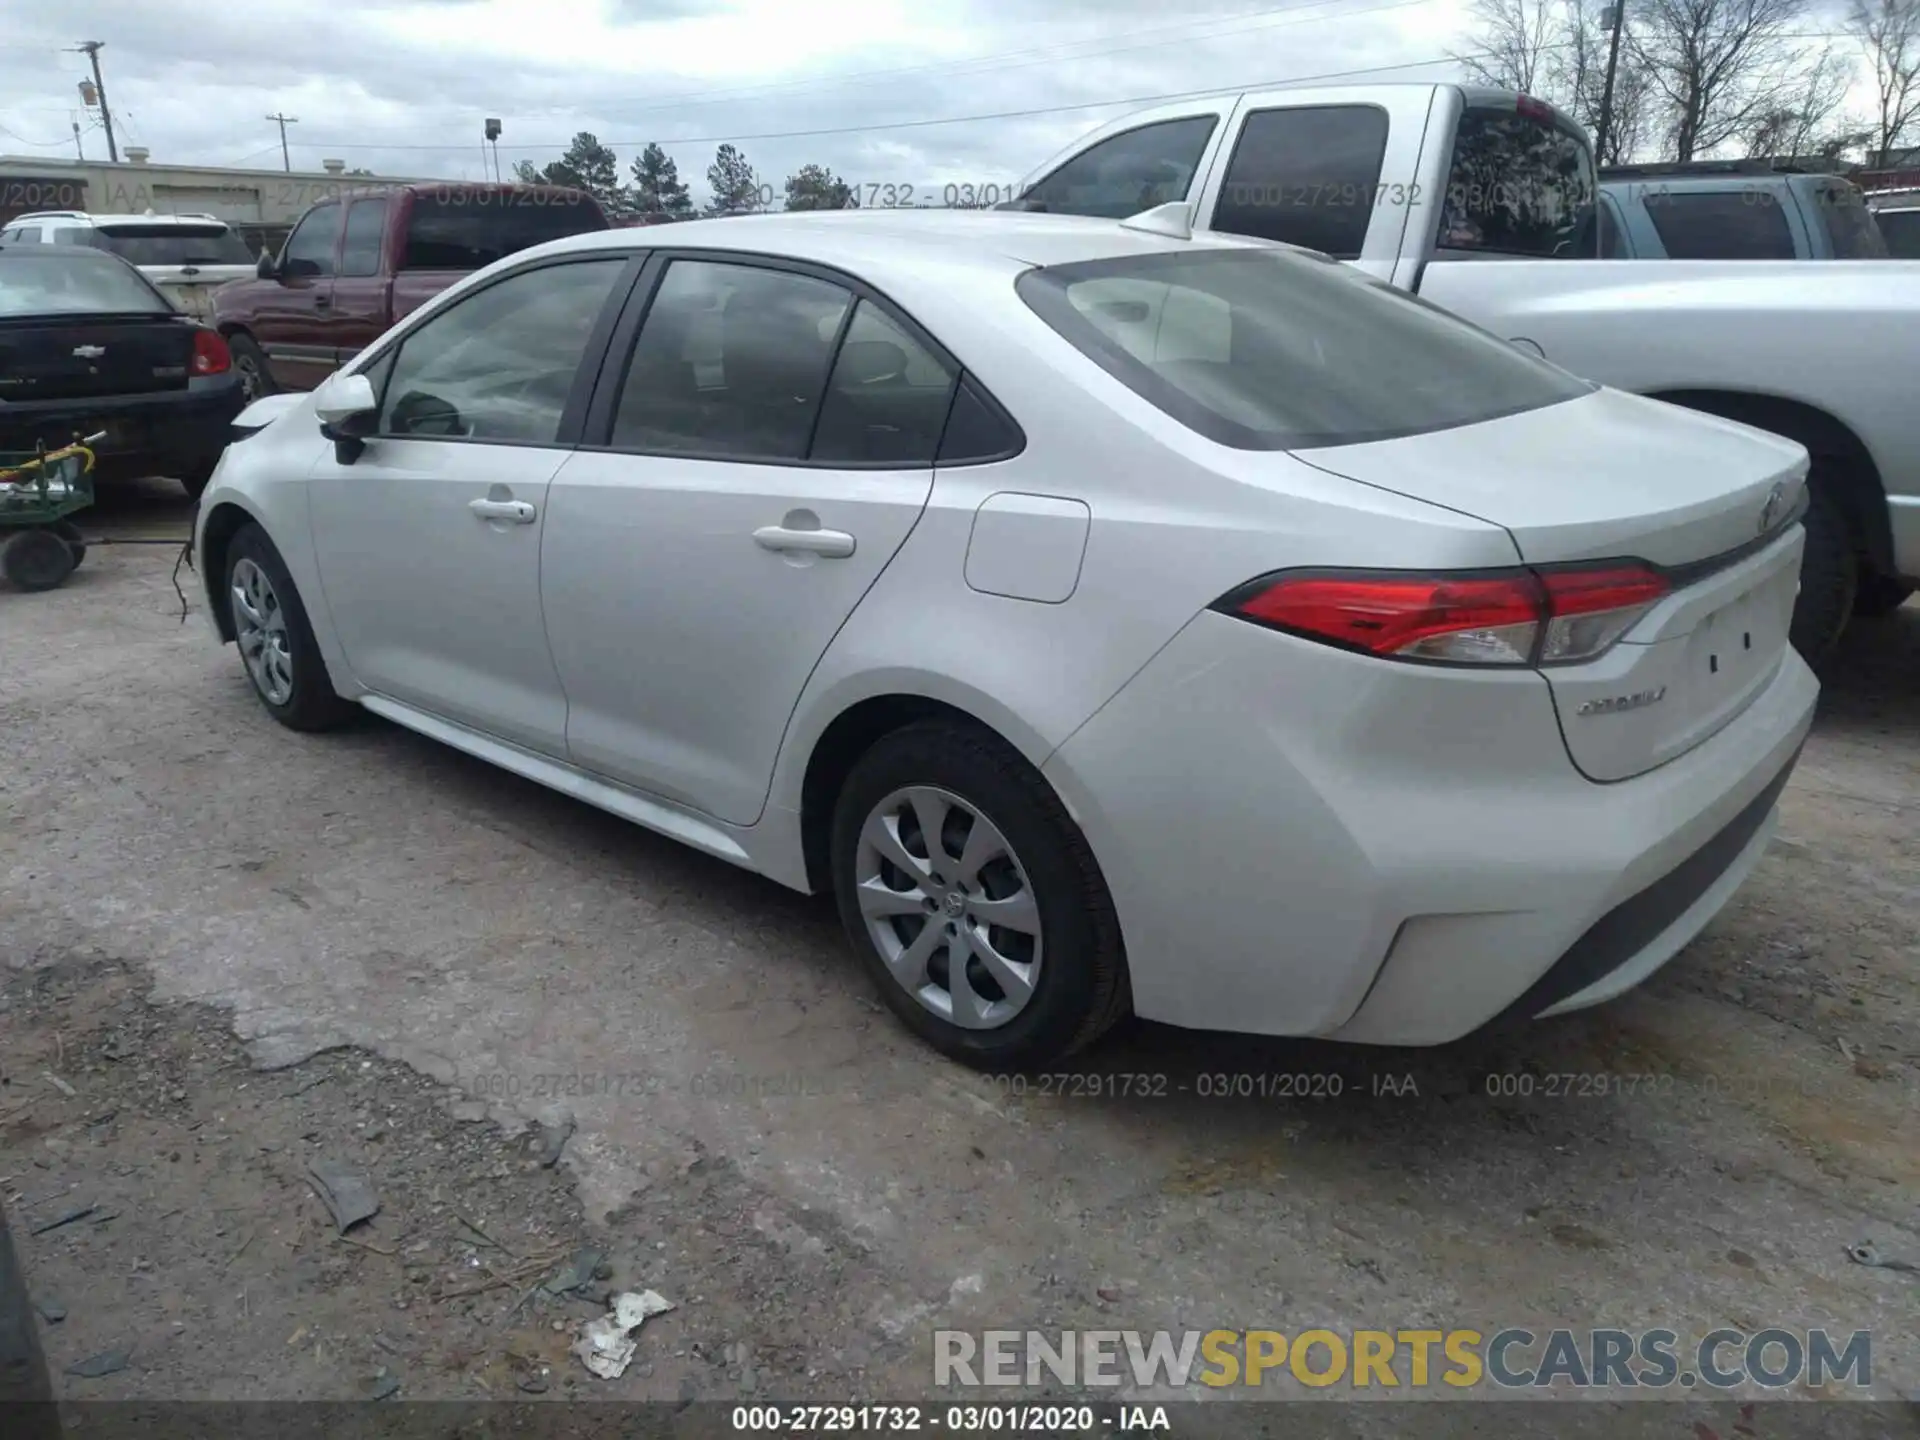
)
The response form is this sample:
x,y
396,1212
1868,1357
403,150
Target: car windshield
x,y
1273,350
173,244
73,282
466,228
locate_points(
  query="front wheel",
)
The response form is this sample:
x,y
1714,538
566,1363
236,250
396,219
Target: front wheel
x,y
974,900
276,643
1829,578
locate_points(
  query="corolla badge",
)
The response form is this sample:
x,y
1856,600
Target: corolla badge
x,y
1614,704
1775,507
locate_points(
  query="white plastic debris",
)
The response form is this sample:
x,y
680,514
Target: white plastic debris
x,y
606,1345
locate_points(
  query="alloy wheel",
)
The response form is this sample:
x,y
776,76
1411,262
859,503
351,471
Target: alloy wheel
x,y
260,626
949,907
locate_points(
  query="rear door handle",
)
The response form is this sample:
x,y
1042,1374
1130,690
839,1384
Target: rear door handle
x,y
516,512
833,544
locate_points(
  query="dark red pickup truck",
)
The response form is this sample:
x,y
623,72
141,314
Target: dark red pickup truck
x,y
354,265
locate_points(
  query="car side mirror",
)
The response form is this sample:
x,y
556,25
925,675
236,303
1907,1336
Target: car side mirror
x,y
266,267
348,410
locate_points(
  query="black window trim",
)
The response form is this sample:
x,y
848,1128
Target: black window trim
x,y
1242,123
592,357
1212,117
611,374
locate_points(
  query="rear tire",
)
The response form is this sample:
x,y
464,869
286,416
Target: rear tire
x,y
1880,595
1829,578
276,643
1033,868
256,378
38,558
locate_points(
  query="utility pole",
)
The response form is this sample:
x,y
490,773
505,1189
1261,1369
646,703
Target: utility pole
x,y
91,49
284,121
1615,18
78,149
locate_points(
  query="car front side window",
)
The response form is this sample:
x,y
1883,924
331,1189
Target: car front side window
x,y
309,252
499,364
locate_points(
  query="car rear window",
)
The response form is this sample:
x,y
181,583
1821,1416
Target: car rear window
x,y
1901,230
1850,224
1519,184
459,228
172,244
74,282
1746,223
1278,350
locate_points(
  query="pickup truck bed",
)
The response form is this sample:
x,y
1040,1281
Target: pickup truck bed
x,y
1483,202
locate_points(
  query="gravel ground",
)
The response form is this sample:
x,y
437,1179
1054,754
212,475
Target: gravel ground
x,y
248,952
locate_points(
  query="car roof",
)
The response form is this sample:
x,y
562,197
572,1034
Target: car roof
x,y
859,239
83,217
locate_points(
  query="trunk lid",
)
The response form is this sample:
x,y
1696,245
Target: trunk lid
x,y
80,357
1610,477
191,287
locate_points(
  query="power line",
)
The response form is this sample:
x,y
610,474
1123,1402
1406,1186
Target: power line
x,y
969,119
978,65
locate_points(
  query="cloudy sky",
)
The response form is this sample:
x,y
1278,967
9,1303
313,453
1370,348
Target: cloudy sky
x,y
401,87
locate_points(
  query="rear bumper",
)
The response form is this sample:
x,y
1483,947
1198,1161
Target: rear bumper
x,y
1300,841
176,431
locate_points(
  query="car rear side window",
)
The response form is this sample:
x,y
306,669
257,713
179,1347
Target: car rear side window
x,y
72,281
731,362
360,245
1273,350
1308,176
887,399
1901,230
1850,227
1519,184
1127,173
499,364
1745,223
459,227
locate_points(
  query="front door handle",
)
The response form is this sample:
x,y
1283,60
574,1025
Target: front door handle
x,y
833,544
516,512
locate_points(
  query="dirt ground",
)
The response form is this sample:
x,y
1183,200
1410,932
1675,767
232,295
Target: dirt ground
x,y
233,953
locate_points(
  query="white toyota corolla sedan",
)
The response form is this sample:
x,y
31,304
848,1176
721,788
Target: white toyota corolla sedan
x,y
1112,620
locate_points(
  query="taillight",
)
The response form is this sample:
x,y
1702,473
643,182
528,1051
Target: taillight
x,y
1488,617
210,353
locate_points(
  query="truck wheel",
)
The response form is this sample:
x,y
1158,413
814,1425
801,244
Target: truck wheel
x,y
36,559
250,362
1880,595
1829,578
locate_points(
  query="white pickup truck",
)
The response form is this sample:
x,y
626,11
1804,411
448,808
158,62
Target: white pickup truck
x,y
1482,201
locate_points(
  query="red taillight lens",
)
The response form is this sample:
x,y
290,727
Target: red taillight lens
x,y
210,353
1503,617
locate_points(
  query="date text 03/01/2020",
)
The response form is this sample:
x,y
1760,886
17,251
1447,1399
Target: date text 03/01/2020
x,y
952,1419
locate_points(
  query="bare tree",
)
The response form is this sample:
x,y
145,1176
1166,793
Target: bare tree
x,y
1889,31
1808,123
1514,43
1717,67
1579,81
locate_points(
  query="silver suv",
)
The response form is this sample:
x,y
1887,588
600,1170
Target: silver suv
x,y
187,256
